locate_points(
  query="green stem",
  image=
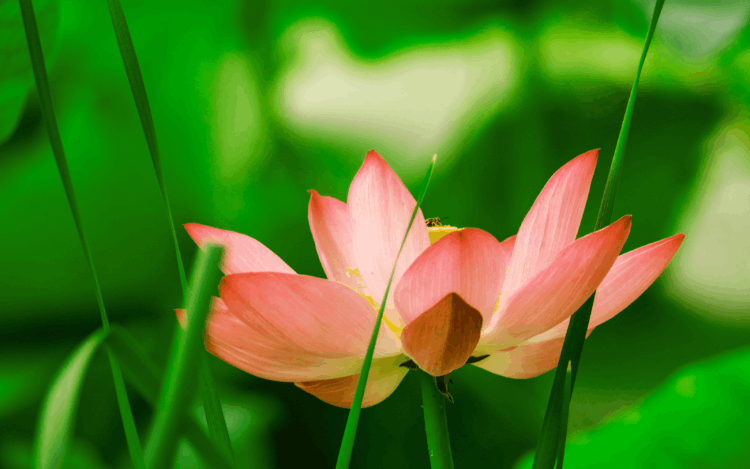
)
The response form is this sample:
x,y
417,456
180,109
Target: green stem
x,y
48,111
435,423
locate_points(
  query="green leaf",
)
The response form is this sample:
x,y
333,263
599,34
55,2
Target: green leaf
x,y
180,381
347,442
555,422
696,419
16,76
59,409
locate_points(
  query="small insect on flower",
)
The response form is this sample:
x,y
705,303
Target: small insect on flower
x,y
437,221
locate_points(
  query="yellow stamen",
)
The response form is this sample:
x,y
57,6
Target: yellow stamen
x,y
360,289
437,232
497,303
394,328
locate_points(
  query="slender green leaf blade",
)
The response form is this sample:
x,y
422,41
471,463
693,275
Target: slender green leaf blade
x,y
180,382
16,75
549,447
145,376
58,413
214,415
347,442
140,371
217,424
45,98
562,437
138,89
607,206
128,422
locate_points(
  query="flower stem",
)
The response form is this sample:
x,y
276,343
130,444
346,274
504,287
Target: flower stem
x,y
435,424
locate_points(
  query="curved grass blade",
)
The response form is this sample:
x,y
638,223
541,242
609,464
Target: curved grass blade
x,y
145,377
564,418
347,442
133,71
57,417
214,415
549,447
179,384
435,423
45,98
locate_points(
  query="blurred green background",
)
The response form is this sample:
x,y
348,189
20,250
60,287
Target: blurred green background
x,y
256,102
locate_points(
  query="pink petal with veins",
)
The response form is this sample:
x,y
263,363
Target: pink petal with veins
x,y
317,315
525,361
556,292
380,207
254,351
385,375
243,253
329,223
468,262
630,276
552,222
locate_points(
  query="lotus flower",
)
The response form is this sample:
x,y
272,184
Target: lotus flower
x,y
460,295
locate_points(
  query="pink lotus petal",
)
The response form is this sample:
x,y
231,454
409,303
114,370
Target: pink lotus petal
x,y
525,361
243,253
385,375
631,274
442,338
553,221
329,223
380,207
556,292
319,316
253,351
469,262
508,245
